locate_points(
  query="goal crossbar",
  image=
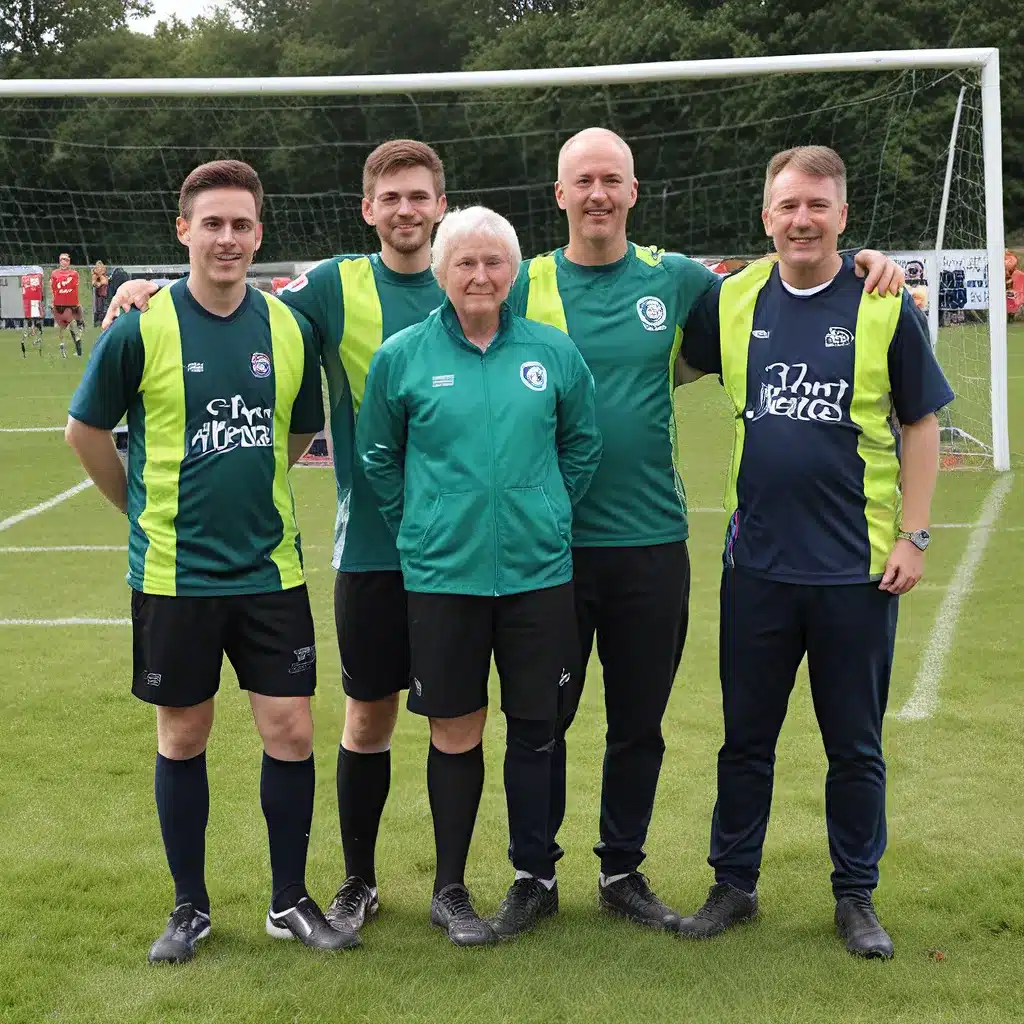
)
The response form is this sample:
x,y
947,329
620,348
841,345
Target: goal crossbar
x,y
983,59
524,78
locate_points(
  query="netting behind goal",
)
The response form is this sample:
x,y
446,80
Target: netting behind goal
x,y
99,177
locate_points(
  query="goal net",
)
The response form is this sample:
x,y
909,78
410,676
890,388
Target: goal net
x,y
98,175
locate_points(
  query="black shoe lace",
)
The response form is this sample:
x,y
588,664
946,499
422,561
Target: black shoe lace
x,y
717,896
642,890
182,917
458,903
350,895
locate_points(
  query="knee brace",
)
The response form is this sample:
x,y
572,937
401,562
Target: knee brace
x,y
525,734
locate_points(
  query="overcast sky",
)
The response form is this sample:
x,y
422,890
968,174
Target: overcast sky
x,y
186,10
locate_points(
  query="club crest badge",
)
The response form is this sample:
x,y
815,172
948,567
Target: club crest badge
x,y
260,364
534,376
652,313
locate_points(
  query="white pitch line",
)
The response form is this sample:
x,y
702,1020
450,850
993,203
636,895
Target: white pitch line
x,y
6,524
29,430
65,622
925,698
63,547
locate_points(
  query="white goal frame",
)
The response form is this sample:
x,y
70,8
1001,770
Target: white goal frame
x,y
984,59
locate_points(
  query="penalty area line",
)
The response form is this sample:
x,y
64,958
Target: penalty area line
x,y
30,430
43,506
925,697
65,622
61,547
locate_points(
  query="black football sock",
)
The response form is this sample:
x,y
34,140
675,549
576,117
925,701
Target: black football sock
x,y
455,783
183,806
363,784
286,795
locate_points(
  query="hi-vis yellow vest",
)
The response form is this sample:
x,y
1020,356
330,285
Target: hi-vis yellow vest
x,y
870,399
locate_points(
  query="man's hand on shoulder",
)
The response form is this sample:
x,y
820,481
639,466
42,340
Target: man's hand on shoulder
x,y
882,274
131,293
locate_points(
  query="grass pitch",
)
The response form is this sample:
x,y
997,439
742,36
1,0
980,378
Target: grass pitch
x,y
85,887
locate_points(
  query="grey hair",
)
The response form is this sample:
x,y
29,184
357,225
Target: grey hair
x,y
458,225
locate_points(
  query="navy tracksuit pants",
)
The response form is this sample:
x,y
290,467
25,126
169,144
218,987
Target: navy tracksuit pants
x,y
848,633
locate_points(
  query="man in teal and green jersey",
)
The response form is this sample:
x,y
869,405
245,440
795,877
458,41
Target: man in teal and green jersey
x,y
625,306
221,387
354,303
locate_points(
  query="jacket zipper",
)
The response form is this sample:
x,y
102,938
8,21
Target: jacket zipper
x,y
490,453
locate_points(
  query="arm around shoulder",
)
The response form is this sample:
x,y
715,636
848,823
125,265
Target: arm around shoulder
x,y
701,350
131,295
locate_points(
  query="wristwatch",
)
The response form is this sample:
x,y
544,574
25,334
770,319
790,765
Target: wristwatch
x,y
919,538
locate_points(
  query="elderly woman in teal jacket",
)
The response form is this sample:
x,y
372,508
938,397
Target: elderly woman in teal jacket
x,y
477,433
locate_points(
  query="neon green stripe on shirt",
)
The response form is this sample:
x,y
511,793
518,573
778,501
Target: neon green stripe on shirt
x,y
163,399
543,303
289,359
364,323
870,407
736,303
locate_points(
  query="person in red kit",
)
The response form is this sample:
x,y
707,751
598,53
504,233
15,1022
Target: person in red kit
x,y
67,312
32,307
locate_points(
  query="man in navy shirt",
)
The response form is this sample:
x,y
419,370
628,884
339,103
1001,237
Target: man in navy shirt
x,y
834,465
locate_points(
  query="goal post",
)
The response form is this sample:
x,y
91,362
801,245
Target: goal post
x,y
702,130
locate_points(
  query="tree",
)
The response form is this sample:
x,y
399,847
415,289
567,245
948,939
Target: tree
x,y
33,29
696,139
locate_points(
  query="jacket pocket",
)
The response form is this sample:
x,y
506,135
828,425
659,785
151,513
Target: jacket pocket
x,y
532,538
454,530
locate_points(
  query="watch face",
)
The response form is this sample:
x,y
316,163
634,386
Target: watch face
x,y
921,538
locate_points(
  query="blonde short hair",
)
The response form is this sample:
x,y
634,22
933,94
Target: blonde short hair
x,y
473,221
817,161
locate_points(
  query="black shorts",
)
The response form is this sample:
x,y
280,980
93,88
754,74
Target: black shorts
x,y
371,614
533,637
179,644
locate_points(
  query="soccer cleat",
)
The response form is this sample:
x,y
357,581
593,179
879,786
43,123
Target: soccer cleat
x,y
631,897
354,905
725,906
306,922
185,928
452,910
858,925
527,902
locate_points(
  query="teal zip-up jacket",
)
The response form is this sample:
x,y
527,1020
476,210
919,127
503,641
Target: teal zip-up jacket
x,y
477,458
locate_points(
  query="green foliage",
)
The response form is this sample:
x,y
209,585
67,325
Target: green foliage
x,y
39,31
692,141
